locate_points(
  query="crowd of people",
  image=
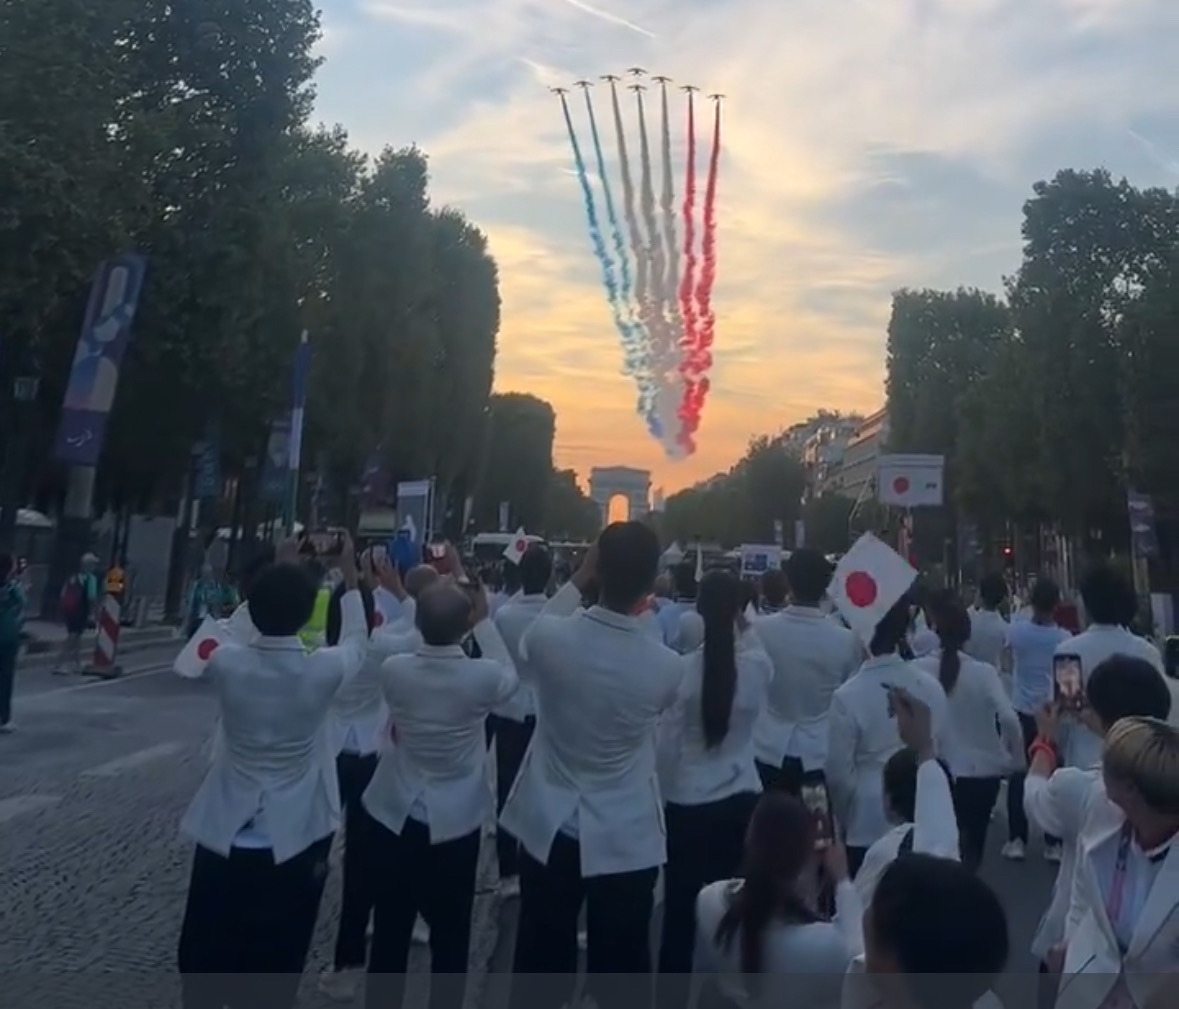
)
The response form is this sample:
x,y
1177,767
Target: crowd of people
x,y
815,783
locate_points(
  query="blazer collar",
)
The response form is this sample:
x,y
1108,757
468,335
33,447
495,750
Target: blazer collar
x,y
441,651
268,644
810,612
1161,901
619,621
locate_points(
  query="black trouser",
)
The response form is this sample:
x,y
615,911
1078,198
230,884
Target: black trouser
x,y
354,772
436,881
704,843
855,858
248,925
787,778
618,921
1017,819
511,743
974,800
9,651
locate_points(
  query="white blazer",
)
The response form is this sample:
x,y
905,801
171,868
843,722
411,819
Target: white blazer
x,y
812,657
512,620
601,683
359,714
1093,959
690,773
274,760
973,749
934,830
862,736
439,699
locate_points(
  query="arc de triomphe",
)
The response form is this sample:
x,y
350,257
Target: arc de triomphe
x,y
607,482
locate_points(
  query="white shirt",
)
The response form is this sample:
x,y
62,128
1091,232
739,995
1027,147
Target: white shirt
x,y
971,746
988,635
862,736
1079,746
439,699
601,684
812,656
934,830
802,964
359,715
513,619
923,641
274,756
1032,647
689,772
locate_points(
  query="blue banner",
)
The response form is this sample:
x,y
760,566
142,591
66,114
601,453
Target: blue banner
x,y
94,375
276,467
207,482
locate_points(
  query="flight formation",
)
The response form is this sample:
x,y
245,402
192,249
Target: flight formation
x,y
658,284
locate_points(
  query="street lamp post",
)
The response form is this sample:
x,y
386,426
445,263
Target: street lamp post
x,y
24,392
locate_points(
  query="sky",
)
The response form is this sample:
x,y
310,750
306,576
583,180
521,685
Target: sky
x,y
867,145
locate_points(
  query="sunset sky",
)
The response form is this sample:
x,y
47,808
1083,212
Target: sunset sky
x,y
868,145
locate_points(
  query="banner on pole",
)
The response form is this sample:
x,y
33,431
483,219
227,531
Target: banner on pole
x,y
758,558
910,481
415,509
207,482
1144,541
94,375
276,467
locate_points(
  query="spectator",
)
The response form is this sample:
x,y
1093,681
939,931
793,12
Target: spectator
x,y
79,595
12,611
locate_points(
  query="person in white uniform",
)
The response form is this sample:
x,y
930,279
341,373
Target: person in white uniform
x,y
264,817
812,657
707,773
988,628
428,798
586,805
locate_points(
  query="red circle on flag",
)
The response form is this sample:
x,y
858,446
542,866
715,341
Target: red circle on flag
x,y
206,648
860,588
378,618
521,546
901,484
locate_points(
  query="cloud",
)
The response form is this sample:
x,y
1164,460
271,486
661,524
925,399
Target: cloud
x,y
867,146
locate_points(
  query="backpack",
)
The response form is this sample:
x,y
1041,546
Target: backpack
x,y
73,597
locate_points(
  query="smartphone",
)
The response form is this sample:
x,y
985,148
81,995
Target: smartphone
x,y
437,551
379,552
816,800
1070,685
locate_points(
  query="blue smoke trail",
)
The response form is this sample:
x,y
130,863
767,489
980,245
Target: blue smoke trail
x,y
632,352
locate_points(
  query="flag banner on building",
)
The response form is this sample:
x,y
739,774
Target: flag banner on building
x,y
276,466
415,507
94,375
910,481
295,442
1144,541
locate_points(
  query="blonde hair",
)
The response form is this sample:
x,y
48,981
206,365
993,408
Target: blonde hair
x,y
1144,752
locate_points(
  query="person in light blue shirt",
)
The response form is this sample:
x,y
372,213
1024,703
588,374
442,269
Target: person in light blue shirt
x,y
684,580
1031,645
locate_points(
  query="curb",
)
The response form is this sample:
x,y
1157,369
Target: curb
x,y
35,661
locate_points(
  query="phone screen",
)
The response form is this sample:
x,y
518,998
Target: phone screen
x,y
1069,682
437,551
814,797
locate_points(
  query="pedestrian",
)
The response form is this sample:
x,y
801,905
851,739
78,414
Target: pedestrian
x,y
428,797
12,613
708,776
79,596
264,816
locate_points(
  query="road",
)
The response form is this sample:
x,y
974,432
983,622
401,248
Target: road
x,y
93,872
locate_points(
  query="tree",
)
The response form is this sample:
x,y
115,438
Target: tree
x,y
519,460
827,520
569,514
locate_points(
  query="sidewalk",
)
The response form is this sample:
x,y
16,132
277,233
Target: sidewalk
x,y
44,638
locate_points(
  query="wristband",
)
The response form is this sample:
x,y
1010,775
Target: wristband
x,y
1043,746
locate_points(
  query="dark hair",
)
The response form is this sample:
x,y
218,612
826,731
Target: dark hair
x,y
6,566
536,568
628,559
282,599
1045,596
251,568
992,590
718,604
952,623
778,847
510,579
944,928
749,593
1108,596
443,614
683,579
809,574
893,627
335,615
775,588
1125,687
900,782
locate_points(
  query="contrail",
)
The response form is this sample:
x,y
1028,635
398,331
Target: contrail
x,y
614,19
671,279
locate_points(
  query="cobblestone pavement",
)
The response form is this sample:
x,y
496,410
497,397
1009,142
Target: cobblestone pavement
x,y
93,872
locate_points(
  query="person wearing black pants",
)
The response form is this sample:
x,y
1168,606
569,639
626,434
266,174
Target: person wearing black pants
x,y
1017,819
974,800
787,778
356,905
511,743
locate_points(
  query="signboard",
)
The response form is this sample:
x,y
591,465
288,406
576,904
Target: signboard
x,y
910,481
758,558
415,509
94,374
276,470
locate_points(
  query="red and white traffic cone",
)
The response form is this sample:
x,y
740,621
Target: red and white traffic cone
x,y
106,643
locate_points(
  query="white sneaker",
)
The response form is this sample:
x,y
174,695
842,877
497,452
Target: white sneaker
x,y
1053,853
421,932
582,940
1015,851
341,985
509,888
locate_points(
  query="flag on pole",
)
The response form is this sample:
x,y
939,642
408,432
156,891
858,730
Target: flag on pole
x,y
516,549
191,662
295,445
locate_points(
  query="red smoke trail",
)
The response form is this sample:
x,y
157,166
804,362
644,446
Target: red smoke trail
x,y
698,359
688,281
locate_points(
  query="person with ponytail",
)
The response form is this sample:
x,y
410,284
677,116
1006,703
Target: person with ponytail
x,y
707,773
759,936
979,757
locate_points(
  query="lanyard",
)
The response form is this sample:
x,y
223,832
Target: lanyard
x,y
1117,886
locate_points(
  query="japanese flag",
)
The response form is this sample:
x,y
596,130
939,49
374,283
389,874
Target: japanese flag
x,y
868,581
515,550
191,662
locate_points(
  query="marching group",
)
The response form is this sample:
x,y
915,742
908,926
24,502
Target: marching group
x,y
815,787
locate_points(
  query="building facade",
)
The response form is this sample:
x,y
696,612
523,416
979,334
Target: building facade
x,y
860,457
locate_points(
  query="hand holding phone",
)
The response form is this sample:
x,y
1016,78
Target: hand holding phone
x,y
1070,685
816,800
